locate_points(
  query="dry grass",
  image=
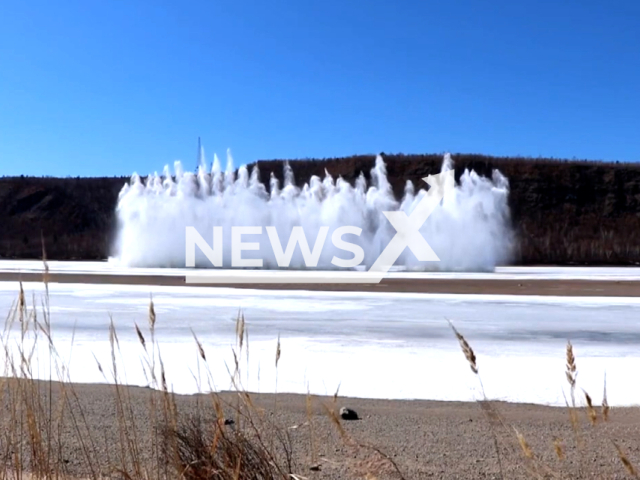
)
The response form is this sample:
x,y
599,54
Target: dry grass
x,y
201,447
206,449
224,439
538,468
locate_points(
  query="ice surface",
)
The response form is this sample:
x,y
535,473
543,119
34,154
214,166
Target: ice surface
x,y
500,273
377,345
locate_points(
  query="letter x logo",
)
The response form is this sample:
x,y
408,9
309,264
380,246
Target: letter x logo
x,y
408,227
407,235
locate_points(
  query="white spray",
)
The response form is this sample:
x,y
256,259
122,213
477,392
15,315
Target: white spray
x,y
469,231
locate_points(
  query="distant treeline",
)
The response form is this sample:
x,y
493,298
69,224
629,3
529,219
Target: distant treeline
x,y
563,211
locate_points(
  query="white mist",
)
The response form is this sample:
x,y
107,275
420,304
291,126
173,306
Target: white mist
x,y
470,231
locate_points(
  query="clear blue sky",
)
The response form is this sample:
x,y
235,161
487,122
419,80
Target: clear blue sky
x,y
110,87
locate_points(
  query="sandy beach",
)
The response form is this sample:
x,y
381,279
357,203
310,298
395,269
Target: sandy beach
x,y
425,439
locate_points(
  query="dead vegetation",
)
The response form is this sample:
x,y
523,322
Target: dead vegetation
x,y
230,437
563,467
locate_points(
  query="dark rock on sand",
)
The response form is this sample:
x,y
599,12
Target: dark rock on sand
x,y
348,414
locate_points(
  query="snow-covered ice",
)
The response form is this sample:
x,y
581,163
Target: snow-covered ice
x,y
377,345
500,273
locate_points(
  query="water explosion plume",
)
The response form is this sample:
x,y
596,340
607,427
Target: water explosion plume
x,y
469,231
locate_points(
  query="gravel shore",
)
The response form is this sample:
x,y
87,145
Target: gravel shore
x,y
425,439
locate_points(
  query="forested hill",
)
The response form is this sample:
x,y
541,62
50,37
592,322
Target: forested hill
x,y
564,212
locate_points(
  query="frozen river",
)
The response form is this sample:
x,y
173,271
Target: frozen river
x,y
379,345
501,273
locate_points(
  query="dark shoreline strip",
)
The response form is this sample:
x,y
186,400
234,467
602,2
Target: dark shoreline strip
x,y
572,288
